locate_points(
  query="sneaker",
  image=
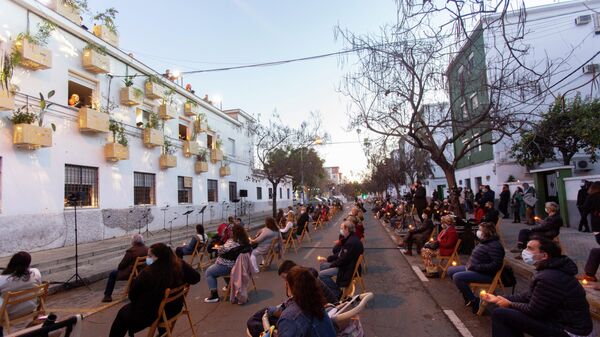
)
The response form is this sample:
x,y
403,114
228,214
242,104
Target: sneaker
x,y
587,278
214,297
107,299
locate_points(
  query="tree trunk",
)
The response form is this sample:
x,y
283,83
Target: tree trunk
x,y
274,198
397,190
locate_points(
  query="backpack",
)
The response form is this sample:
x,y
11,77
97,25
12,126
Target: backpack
x,y
508,277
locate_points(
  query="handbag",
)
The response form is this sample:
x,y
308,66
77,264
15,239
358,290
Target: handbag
x,y
432,245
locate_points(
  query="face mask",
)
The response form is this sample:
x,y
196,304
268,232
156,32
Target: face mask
x,y
547,210
149,260
479,234
528,257
343,233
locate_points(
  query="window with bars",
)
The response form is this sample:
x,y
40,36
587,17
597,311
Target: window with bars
x,y
232,191
81,181
280,193
213,190
144,186
288,193
184,190
270,193
259,193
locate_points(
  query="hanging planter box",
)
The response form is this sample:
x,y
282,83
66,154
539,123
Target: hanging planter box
x,y
131,96
106,34
91,120
116,152
202,125
153,90
216,155
190,148
191,109
152,137
225,171
167,161
167,111
71,13
95,62
29,136
33,56
201,167
7,100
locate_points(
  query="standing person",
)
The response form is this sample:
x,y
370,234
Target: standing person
x,y
581,196
420,199
137,249
469,198
529,198
164,271
263,240
592,207
517,204
504,200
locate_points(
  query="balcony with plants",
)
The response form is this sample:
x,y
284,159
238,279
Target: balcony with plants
x,y
200,123
168,109
152,134
130,95
216,154
95,59
7,88
30,51
201,164
26,133
94,118
167,158
154,88
191,108
70,9
225,169
117,149
105,28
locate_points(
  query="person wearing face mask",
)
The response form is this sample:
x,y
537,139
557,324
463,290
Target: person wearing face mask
x,y
554,305
592,207
418,235
164,270
442,246
484,262
548,228
491,214
341,264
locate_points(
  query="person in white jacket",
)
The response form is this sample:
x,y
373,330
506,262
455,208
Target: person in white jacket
x,y
263,239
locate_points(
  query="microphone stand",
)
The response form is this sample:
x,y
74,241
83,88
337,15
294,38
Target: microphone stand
x,y
147,217
77,280
164,210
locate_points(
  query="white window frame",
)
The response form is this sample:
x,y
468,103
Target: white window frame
x,y
474,101
477,138
464,110
231,147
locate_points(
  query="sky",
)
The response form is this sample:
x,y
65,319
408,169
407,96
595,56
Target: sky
x,y
193,35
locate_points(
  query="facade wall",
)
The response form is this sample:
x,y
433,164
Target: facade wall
x,y
32,182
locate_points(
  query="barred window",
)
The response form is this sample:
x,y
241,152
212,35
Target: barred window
x,y
280,193
82,181
184,190
213,190
259,193
288,193
144,186
270,193
232,191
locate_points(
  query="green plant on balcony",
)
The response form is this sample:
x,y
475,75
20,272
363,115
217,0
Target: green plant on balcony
x,y
153,121
23,116
107,18
118,131
168,97
168,147
218,143
97,48
40,38
202,156
155,79
81,5
7,66
128,80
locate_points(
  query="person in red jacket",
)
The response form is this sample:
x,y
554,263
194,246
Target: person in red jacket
x,y
442,246
478,213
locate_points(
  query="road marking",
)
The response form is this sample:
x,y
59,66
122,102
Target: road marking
x,y
420,274
311,250
458,324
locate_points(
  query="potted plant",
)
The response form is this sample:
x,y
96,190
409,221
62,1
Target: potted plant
x,y
200,123
201,164
216,154
95,59
29,50
153,87
167,110
7,89
190,108
129,94
225,169
106,29
93,120
26,134
152,135
71,9
167,158
190,148
117,149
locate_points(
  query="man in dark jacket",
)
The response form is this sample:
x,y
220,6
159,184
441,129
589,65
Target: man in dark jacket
x,y
343,261
420,199
581,196
491,214
504,200
418,235
302,221
137,249
488,195
548,228
555,303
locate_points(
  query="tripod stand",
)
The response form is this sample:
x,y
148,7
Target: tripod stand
x,y
75,280
202,212
147,217
171,229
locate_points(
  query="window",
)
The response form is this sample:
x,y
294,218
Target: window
x,y
468,182
82,88
213,190
270,193
209,141
477,141
470,61
259,193
184,190
142,116
231,147
144,188
288,193
465,111
183,132
280,193
82,181
232,191
474,102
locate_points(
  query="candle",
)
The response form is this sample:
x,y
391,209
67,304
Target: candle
x,y
431,240
585,282
482,293
320,258
453,263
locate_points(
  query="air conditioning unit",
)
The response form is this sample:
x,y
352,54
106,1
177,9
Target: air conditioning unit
x,y
592,68
582,165
583,20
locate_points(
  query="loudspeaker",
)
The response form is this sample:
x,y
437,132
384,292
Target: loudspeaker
x,y
243,193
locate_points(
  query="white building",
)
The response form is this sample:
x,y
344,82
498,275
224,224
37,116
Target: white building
x,y
334,175
117,196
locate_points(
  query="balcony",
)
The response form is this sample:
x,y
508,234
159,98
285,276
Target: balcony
x,y
201,167
115,152
152,137
31,137
216,155
225,171
154,90
131,96
167,161
106,34
91,120
190,148
191,109
7,100
167,111
95,62
33,56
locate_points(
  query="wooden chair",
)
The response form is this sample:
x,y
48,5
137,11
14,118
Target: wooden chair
x,y
13,298
200,250
140,263
356,278
500,236
449,259
271,254
490,288
319,223
169,323
304,232
290,241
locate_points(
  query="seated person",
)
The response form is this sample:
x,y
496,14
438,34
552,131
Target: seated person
x,y
289,225
189,248
343,261
239,243
478,213
302,221
18,276
484,262
553,305
491,214
223,234
443,245
548,228
418,235
263,239
137,249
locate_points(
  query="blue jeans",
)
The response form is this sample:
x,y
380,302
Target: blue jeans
x,y
462,277
215,271
326,275
110,284
513,323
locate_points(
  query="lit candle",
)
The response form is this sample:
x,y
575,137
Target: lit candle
x,y
482,293
453,263
320,258
431,240
411,227
585,282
